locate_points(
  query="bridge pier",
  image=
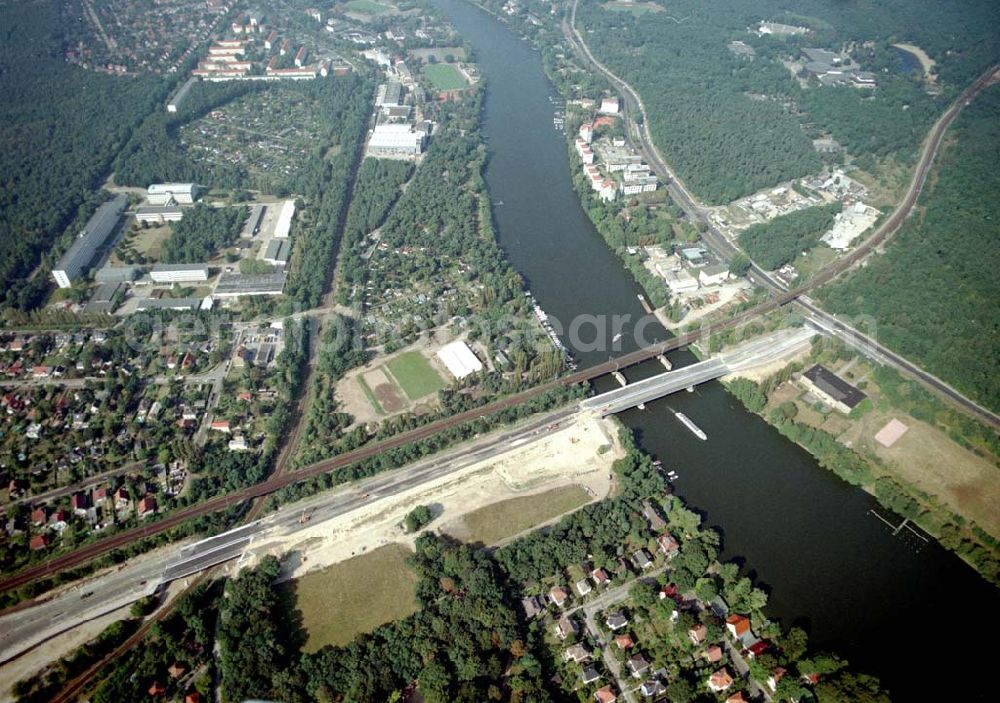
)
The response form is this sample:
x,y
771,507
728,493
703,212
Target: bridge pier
x,y
620,377
666,362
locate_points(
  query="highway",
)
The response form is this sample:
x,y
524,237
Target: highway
x,y
639,134
22,629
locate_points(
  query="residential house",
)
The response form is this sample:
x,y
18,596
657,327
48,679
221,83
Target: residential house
x,y
238,444
558,595
147,506
193,697
720,680
578,652
605,695
624,642
653,687
738,625
533,606
668,545
220,426
656,523
713,654
176,670
638,665
79,503
40,515
589,674
157,689
600,577
39,542
616,621
565,627
697,634
737,698
775,677
756,649
642,560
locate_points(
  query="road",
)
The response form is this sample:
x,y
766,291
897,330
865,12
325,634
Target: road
x,y
639,134
22,629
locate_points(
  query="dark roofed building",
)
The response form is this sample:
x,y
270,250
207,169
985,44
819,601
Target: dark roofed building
x,y
832,389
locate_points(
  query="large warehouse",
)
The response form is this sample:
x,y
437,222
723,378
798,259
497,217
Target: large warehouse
x,y
459,359
93,236
179,273
396,139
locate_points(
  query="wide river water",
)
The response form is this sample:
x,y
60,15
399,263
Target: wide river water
x,y
912,614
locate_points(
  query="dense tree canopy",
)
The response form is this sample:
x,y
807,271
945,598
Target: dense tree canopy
x,y
60,126
934,292
775,243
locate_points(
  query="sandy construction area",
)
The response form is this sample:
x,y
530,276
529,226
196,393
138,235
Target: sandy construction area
x,y
580,453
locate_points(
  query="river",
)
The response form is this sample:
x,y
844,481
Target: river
x,y
886,603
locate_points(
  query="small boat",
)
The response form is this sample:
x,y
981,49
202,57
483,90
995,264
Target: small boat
x,y
695,430
616,337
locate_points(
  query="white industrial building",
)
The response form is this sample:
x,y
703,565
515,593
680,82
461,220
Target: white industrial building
x,y
284,225
459,359
164,193
397,139
90,239
680,281
179,273
158,213
713,275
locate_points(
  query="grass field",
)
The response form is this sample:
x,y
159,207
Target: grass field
x,y
415,375
368,7
636,8
444,76
355,596
499,521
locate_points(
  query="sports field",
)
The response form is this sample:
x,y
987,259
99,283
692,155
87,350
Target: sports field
x,y
368,7
342,601
415,375
444,76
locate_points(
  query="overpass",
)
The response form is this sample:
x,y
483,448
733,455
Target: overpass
x,y
754,353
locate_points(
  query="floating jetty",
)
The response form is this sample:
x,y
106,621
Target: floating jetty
x,y
666,362
543,320
620,377
695,430
645,304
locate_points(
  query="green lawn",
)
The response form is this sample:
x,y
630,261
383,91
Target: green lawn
x,y
355,596
444,76
499,521
368,7
415,375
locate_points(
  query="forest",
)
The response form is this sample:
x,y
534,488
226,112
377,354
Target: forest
x,y
60,127
934,292
732,126
202,232
777,242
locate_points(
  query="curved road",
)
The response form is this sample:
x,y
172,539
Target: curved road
x,y
722,246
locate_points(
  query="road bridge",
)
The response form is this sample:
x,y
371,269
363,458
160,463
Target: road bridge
x,y
754,353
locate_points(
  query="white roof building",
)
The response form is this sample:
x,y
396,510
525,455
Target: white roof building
x,y
179,273
610,106
163,193
284,224
459,359
396,138
90,239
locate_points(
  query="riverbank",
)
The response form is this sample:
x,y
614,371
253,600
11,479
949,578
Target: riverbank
x,y
909,466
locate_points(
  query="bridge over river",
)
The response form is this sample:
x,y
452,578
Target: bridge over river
x,y
754,353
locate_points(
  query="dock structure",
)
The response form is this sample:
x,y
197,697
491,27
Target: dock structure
x,y
620,377
666,362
